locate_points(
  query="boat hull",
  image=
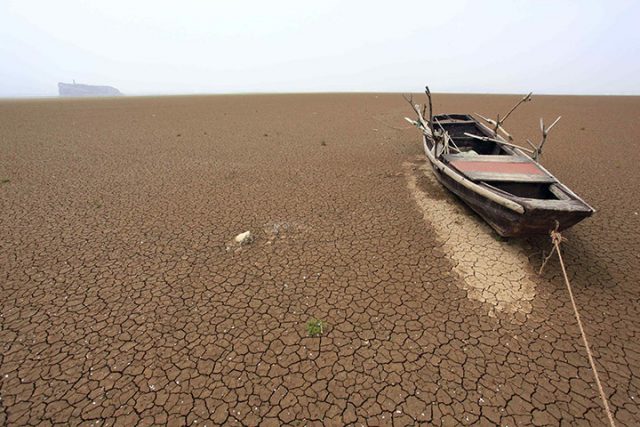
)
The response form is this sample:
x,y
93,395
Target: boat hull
x,y
522,208
508,223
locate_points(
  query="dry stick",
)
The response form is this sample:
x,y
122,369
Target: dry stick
x,y
533,147
486,138
545,132
556,239
444,132
449,139
526,98
493,122
416,108
497,124
427,126
413,122
428,92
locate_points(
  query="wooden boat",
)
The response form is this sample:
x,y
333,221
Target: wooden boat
x,y
502,182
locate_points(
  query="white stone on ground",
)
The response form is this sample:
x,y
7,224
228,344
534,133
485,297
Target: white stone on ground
x,y
244,238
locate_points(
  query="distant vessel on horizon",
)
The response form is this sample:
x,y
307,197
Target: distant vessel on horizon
x,y
78,90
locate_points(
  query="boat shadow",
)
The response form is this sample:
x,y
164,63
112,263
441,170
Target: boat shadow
x,y
460,226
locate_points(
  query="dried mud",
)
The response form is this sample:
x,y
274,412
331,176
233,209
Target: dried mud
x,y
491,269
121,305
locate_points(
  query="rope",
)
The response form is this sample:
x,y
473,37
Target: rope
x,y
556,239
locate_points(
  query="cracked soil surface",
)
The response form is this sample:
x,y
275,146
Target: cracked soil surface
x,y
123,302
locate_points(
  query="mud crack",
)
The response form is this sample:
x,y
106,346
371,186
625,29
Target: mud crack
x,y
492,271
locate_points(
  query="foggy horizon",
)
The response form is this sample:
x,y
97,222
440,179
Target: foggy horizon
x,y
241,48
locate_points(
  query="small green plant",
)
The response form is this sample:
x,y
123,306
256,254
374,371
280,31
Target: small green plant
x,y
315,327
5,181
323,143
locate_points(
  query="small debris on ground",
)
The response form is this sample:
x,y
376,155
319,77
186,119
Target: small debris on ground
x,y
244,238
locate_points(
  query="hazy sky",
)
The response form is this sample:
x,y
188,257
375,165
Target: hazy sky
x,y
214,46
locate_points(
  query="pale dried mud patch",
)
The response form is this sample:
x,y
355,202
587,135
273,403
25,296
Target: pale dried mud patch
x,y
492,270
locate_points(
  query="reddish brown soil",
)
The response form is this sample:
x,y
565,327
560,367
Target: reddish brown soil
x,y
122,303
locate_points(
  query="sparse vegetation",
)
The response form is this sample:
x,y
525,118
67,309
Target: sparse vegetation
x,y
315,327
5,181
323,143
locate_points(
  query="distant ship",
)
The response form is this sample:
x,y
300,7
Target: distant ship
x,y
76,89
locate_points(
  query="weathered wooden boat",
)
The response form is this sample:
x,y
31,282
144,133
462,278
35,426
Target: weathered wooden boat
x,y
502,182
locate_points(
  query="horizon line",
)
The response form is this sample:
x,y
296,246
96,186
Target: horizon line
x,y
345,92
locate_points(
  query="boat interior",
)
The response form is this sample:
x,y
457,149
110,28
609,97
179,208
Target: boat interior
x,y
530,190
496,167
456,125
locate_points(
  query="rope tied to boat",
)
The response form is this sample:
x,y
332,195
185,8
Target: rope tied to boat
x,y
556,240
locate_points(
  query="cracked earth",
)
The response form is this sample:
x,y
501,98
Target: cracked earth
x,y
492,270
123,301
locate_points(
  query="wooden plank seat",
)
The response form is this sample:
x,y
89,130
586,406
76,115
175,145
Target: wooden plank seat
x,y
498,168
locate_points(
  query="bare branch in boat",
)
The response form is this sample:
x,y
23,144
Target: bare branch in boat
x,y
482,138
419,126
485,119
494,124
409,99
553,124
416,108
545,132
506,133
526,98
499,141
449,144
503,130
428,92
497,124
